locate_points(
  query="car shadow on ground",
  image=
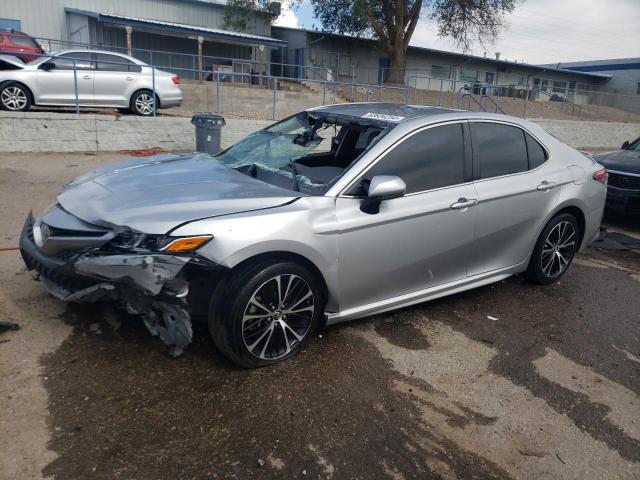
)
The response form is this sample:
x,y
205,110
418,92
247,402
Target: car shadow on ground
x,y
616,221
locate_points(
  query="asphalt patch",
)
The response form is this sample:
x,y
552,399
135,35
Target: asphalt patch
x,y
568,317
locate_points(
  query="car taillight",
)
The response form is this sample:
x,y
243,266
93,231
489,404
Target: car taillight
x,y
175,79
601,176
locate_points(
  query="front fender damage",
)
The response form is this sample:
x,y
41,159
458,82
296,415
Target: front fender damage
x,y
149,285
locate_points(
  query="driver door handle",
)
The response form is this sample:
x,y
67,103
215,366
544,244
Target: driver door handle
x,y
463,203
87,77
544,186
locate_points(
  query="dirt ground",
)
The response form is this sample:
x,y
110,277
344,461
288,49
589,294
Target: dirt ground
x,y
509,381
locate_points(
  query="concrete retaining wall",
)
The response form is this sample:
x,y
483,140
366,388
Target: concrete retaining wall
x,y
66,132
591,135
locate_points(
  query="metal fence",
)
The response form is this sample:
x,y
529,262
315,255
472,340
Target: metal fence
x,y
269,96
189,63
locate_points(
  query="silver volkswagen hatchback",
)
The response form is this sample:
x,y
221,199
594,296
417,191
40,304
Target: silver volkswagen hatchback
x,y
333,214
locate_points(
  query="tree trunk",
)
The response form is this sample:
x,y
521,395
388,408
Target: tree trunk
x,y
397,65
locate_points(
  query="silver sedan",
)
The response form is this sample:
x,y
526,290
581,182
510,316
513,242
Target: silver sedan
x,y
333,214
92,78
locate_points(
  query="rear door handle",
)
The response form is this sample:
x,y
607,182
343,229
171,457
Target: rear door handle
x,y
463,203
87,77
544,186
128,78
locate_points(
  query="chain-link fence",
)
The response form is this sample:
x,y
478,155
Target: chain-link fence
x,y
257,92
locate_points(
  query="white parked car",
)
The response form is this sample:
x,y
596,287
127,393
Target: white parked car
x,y
103,79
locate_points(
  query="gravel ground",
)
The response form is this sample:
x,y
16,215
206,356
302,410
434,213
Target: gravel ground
x,y
505,381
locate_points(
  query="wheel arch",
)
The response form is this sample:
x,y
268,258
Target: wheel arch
x,y
570,208
145,89
22,84
202,295
578,214
286,256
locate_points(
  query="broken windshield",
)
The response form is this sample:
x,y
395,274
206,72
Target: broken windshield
x,y
278,145
302,153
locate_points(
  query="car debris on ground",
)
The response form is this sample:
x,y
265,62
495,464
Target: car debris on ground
x,y
5,326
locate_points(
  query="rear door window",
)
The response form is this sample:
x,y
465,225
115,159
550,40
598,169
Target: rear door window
x,y
114,63
498,149
432,158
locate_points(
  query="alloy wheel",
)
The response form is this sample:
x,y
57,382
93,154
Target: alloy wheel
x,y
14,98
144,104
558,249
278,316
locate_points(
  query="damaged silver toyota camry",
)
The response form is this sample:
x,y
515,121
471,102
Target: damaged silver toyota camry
x,y
335,213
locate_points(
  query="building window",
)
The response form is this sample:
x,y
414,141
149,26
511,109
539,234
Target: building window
x,y
469,75
440,71
559,87
638,88
9,24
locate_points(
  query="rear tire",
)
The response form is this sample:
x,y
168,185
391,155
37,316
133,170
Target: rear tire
x,y
554,251
15,97
254,326
142,103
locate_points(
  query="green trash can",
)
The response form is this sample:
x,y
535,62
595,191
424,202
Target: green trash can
x,y
208,131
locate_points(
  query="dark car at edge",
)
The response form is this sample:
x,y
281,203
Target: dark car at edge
x,y
623,194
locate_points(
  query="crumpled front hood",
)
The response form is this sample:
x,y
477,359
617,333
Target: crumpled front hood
x,y
627,161
156,194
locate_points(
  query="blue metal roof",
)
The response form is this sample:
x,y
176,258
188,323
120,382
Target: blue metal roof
x,y
236,37
609,67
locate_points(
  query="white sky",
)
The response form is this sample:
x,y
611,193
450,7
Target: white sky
x,y
539,31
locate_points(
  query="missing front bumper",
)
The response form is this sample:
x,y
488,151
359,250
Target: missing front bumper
x,y
150,285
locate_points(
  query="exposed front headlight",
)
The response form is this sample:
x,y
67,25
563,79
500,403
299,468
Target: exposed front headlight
x,y
145,243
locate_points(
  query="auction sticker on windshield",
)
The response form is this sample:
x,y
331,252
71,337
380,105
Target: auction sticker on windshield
x,y
383,116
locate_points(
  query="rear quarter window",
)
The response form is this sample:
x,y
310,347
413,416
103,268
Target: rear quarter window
x,y
537,154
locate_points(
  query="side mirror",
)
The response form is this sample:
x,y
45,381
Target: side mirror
x,y
625,145
46,66
382,187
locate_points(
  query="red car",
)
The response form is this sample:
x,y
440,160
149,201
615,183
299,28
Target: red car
x,y
20,45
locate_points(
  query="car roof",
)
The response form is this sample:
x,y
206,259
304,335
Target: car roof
x,y
89,50
397,114
391,112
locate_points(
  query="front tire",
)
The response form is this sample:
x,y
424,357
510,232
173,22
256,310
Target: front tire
x,y
268,312
15,97
142,103
554,250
